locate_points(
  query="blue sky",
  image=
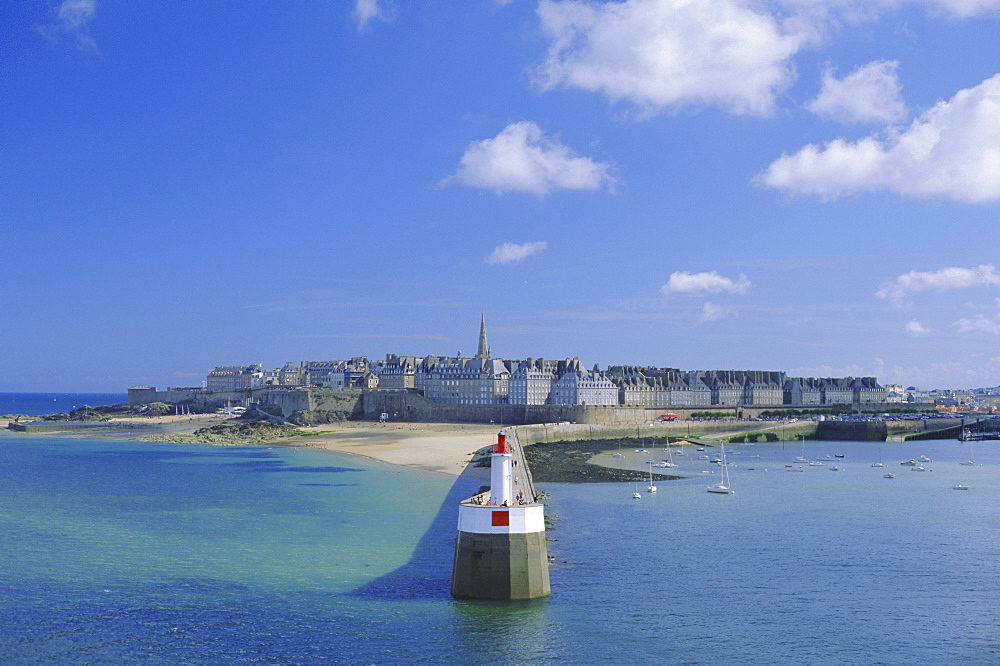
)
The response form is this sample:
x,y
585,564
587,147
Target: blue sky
x,y
788,185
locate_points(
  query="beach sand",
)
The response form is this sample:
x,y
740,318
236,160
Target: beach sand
x,y
435,447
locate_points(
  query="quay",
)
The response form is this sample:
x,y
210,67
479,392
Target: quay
x,y
69,426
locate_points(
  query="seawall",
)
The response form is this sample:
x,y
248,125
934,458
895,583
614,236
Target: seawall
x,y
852,431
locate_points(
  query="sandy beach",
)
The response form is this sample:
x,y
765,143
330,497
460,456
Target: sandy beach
x,y
435,447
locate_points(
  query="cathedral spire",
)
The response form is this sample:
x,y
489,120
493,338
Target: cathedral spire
x,y
484,347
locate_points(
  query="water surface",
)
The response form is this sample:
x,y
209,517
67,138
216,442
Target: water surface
x,y
116,552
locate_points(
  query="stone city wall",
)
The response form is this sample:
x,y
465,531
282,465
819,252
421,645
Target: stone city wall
x,y
403,405
409,405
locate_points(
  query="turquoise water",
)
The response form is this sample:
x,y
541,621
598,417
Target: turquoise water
x,y
114,552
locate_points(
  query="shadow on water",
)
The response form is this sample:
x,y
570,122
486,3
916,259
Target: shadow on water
x,y
427,575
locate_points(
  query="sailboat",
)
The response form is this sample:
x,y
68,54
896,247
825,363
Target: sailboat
x,y
722,487
879,463
651,488
669,462
802,458
636,494
619,454
969,462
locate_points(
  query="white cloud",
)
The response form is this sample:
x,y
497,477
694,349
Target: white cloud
x,y
943,279
979,324
952,151
871,93
816,16
73,18
734,54
522,159
682,282
959,8
366,11
852,370
508,253
711,312
914,327
669,53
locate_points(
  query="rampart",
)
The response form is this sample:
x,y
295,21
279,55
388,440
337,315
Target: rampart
x,y
404,405
410,405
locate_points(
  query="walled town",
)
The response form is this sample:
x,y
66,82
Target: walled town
x,y
485,379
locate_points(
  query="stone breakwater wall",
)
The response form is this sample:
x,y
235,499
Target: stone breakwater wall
x,y
57,426
852,431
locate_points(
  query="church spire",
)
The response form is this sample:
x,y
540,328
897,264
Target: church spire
x,y
484,347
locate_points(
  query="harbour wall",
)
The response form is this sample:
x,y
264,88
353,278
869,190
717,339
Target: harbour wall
x,y
65,426
852,431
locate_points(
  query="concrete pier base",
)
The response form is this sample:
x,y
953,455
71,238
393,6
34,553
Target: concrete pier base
x,y
500,566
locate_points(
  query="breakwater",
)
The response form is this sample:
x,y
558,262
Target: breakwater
x,y
56,426
852,431
500,549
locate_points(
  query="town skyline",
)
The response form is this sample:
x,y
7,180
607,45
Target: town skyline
x,y
788,185
486,378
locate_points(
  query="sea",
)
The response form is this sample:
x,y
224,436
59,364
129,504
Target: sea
x,y
118,552
35,404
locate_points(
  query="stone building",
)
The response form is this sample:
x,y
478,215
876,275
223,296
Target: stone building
x,y
235,377
837,391
291,375
641,387
802,391
531,382
866,390
336,373
833,391
763,388
727,388
398,372
463,381
579,386
689,389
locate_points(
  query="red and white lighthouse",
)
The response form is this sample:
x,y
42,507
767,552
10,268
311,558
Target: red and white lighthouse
x,y
500,552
